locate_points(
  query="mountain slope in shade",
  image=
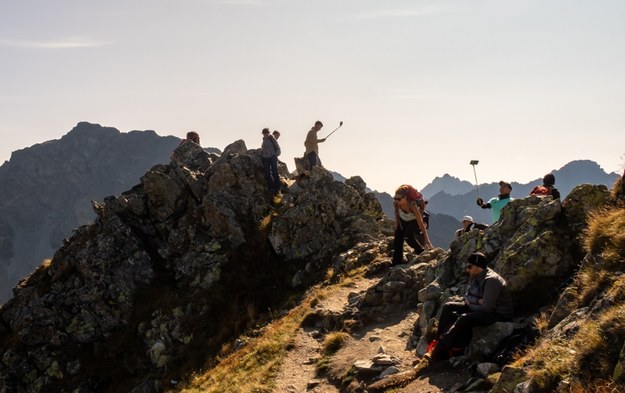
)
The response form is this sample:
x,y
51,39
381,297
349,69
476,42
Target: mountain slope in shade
x,y
47,188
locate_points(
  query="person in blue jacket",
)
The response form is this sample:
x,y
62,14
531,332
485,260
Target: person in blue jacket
x,y
497,203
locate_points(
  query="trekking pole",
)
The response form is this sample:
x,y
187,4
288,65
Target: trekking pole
x,y
474,163
340,125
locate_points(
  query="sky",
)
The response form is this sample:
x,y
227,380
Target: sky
x,y
423,87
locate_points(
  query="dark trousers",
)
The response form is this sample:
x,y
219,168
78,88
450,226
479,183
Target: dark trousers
x,y
408,231
455,327
313,160
270,166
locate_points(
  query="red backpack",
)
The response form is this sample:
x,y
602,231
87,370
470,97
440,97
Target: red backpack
x,y
540,190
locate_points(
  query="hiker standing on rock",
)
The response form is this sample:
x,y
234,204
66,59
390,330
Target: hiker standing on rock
x,y
409,225
270,150
487,301
497,203
311,155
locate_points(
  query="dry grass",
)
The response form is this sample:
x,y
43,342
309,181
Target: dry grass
x,y
605,237
590,354
254,367
333,342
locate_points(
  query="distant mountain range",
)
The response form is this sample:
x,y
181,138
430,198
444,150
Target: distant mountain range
x,y
449,198
46,191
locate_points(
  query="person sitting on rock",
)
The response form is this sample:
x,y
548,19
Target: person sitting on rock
x,y
409,223
547,188
487,301
497,203
467,225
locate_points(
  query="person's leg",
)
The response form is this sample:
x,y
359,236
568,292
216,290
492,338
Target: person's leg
x,y
267,171
274,174
398,244
449,315
461,332
312,159
410,234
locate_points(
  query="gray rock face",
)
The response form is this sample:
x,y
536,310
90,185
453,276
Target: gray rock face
x,y
46,189
171,268
535,246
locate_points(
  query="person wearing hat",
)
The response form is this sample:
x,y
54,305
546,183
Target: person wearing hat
x,y
547,188
487,301
467,225
270,150
497,203
410,226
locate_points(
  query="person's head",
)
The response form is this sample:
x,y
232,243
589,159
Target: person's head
x,y
265,131
505,188
476,263
276,134
318,125
549,180
193,136
466,221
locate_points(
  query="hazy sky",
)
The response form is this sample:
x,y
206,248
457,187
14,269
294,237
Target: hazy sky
x,y
423,87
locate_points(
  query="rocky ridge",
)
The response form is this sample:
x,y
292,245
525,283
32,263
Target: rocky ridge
x,y
172,268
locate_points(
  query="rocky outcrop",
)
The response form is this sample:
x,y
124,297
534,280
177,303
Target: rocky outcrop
x,y
535,246
46,189
172,268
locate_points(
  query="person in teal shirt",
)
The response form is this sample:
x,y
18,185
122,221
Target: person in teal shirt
x,y
497,203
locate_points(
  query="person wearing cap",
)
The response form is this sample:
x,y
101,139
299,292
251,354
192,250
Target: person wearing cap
x,y
497,203
312,145
270,150
409,224
487,301
467,225
547,188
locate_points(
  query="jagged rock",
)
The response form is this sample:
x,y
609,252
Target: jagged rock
x,y
486,339
485,369
508,380
389,371
157,274
46,189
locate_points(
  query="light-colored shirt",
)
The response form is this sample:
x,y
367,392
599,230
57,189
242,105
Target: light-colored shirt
x,y
312,142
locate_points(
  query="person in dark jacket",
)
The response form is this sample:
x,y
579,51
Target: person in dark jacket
x,y
487,301
270,150
547,188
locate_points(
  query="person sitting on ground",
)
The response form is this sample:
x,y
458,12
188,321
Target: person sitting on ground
x,y
547,188
276,134
311,155
467,225
487,301
270,150
409,225
497,203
